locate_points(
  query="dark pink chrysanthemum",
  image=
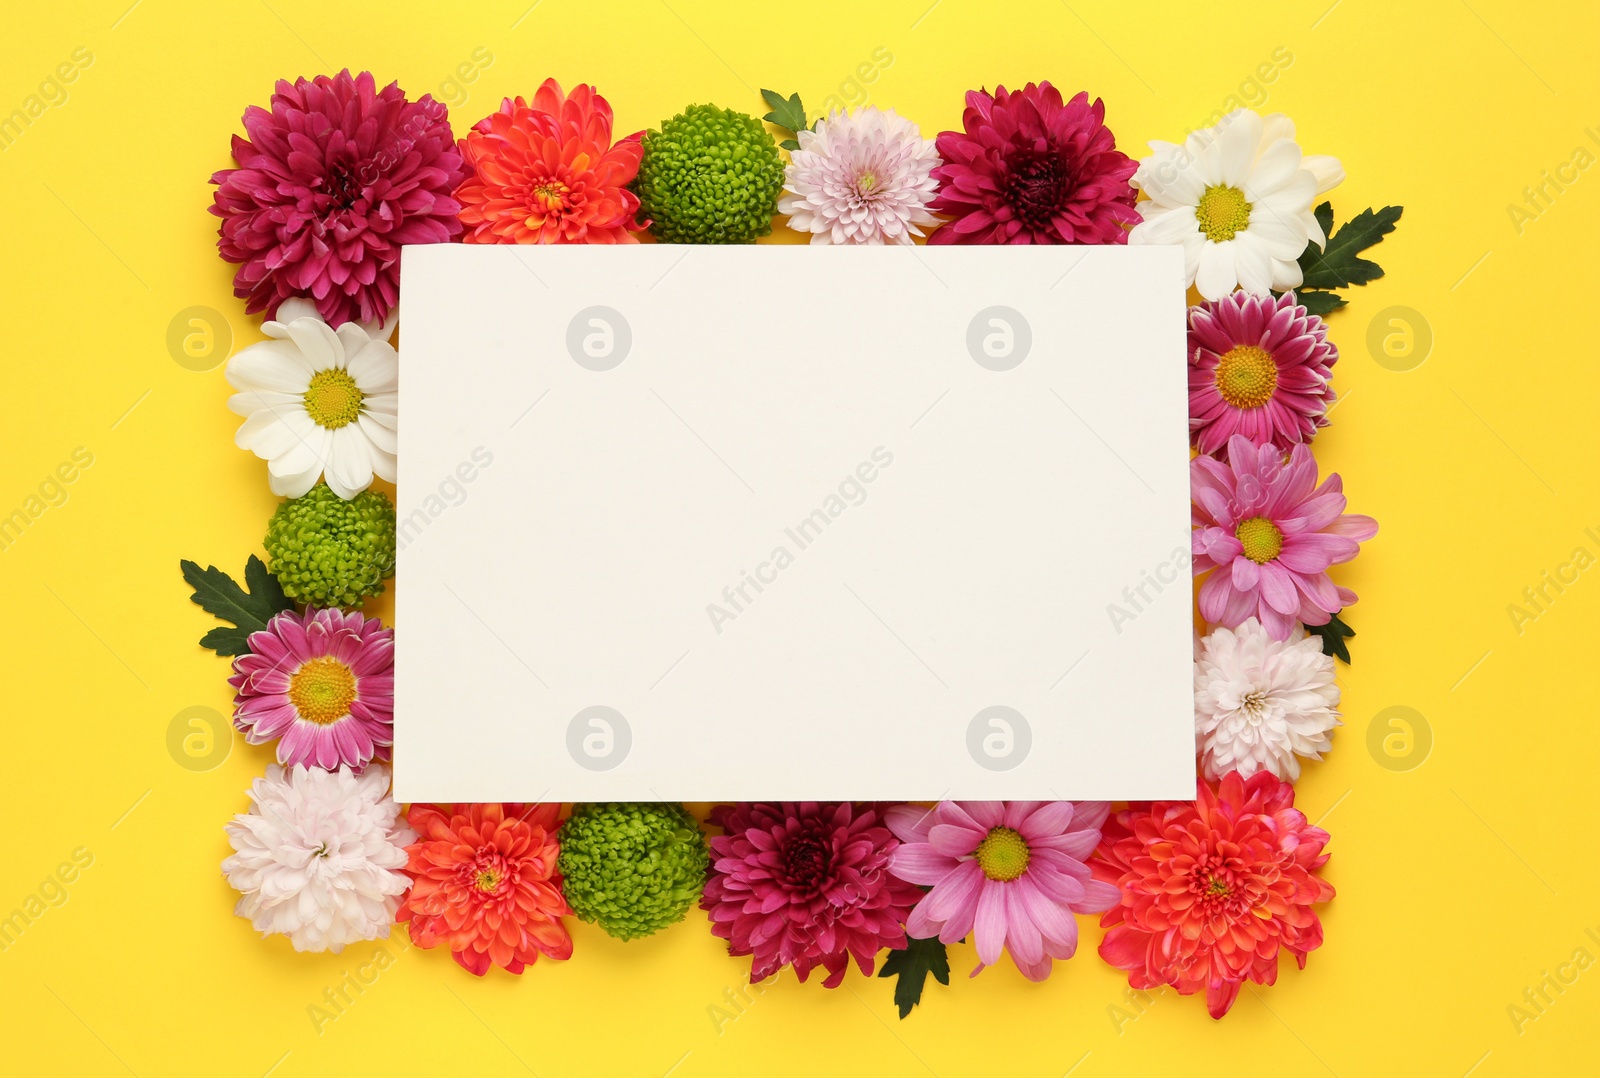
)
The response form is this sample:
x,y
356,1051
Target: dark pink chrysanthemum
x,y
332,180
805,885
322,685
1259,367
1030,168
1212,889
1268,538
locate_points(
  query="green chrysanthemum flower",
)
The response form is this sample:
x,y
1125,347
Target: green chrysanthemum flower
x,y
632,868
709,175
326,551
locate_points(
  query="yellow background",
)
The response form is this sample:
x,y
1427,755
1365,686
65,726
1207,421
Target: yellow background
x,y
1462,880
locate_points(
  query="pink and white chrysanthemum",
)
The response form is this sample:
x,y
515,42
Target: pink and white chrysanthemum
x,y
1258,366
322,685
1010,873
1267,534
861,178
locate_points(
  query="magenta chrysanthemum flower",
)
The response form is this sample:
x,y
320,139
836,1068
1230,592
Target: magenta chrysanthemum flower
x,y
1029,168
1259,367
805,885
331,182
1270,537
1010,873
322,684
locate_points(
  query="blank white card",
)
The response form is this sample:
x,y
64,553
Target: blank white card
x,y
700,523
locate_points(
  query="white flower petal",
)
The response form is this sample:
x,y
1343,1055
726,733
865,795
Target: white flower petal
x,y
317,342
375,366
1328,171
349,467
274,365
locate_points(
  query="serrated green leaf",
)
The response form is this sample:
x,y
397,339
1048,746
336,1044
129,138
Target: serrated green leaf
x,y
1333,636
217,594
911,965
787,113
1321,304
225,641
789,144
1337,265
1324,216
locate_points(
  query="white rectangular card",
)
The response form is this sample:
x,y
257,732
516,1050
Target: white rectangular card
x,y
699,523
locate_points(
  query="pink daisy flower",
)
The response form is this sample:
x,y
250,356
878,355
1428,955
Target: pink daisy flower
x,y
322,684
332,180
1270,537
1030,168
1259,367
805,885
1011,873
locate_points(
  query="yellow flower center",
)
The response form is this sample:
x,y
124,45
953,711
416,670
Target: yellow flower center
x,y
550,196
488,880
1222,211
1261,539
322,690
1246,376
866,182
333,399
1003,854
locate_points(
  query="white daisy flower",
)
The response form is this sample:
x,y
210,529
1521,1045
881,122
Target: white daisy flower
x,y
318,857
318,401
1261,703
861,178
1238,197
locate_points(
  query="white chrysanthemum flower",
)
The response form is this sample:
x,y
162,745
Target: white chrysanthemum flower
x,y
1238,197
318,401
318,857
865,177
1260,703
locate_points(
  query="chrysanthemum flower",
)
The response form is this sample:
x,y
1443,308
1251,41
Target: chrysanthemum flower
x,y
1270,537
320,683
631,868
1260,704
1213,889
1030,168
805,885
709,175
318,402
865,177
331,182
486,885
326,551
546,172
1010,873
318,856
1259,367
1238,197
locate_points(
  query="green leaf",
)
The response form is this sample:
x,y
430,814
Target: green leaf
x,y
1321,304
1333,637
911,965
1337,265
216,593
787,114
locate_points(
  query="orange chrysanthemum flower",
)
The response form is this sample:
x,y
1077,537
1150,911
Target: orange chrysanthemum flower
x,y
485,884
547,172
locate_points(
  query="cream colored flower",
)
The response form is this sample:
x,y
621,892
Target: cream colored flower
x,y
1238,198
318,401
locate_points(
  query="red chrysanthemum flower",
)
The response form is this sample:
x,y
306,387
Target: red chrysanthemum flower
x,y
1031,169
485,884
331,182
1212,888
805,885
547,172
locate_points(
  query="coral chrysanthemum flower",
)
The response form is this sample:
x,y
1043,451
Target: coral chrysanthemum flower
x,y
1212,889
1010,873
1030,168
1270,537
486,885
331,182
805,885
547,172
1258,366
322,684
